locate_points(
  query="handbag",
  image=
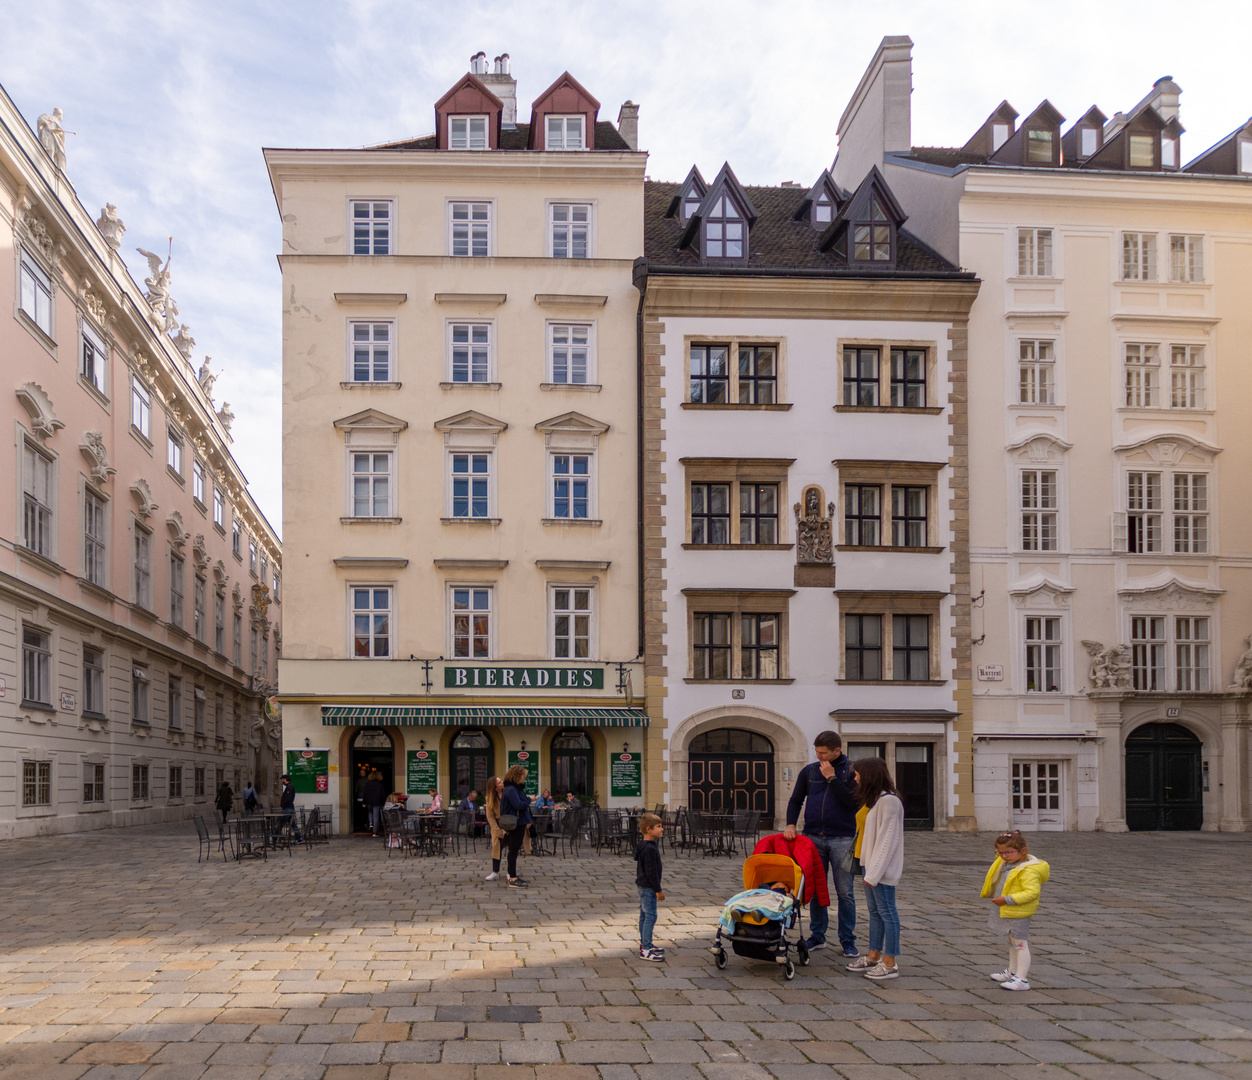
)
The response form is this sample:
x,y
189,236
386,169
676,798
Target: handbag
x,y
848,863
508,822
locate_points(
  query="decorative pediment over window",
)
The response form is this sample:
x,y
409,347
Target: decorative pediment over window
x,y
996,130
1038,589
178,533
43,420
566,97
200,553
1038,446
1166,591
469,97
144,506
821,204
236,597
34,229
220,576
864,230
97,457
572,431
470,429
1037,142
721,223
1169,448
689,196
371,427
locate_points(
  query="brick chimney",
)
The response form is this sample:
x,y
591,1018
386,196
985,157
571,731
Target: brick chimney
x,y
504,86
628,124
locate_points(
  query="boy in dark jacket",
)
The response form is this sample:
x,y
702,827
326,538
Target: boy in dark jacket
x,y
648,879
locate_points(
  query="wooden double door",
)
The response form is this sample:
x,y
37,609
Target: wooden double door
x,y
731,769
1164,789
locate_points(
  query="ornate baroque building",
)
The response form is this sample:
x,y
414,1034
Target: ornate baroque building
x,y
140,593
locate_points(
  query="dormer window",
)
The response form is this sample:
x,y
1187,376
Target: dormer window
x,y
1038,147
566,133
467,133
1088,141
1169,152
999,136
690,205
823,210
1245,156
871,239
723,231
1141,156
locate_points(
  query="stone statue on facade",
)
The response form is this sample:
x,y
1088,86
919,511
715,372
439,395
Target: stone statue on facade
x,y
52,136
207,377
815,544
1110,668
184,342
226,416
111,226
158,282
1243,667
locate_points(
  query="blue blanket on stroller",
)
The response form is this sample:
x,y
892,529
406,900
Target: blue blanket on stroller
x,y
766,903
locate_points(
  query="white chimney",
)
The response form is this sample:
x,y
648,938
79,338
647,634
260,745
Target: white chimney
x,y
478,63
628,124
504,86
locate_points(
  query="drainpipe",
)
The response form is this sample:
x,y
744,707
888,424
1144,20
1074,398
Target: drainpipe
x,y
639,279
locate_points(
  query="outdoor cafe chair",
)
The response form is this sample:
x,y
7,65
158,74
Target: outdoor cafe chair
x,y
206,841
251,839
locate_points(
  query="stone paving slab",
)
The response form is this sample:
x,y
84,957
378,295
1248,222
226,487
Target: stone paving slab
x,y
122,957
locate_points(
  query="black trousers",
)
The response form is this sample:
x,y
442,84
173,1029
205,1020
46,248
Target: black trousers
x,y
514,842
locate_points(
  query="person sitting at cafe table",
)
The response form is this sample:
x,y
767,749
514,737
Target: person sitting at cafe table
x,y
571,801
436,801
467,803
544,802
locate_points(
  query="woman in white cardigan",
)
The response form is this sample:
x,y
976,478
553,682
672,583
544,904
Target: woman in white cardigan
x,y
882,856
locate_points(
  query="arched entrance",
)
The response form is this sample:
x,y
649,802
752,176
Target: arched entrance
x,y
731,769
472,761
1163,788
573,764
372,749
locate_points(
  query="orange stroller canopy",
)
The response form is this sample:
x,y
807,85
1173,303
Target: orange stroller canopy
x,y
762,871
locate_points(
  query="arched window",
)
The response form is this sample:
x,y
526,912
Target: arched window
x,y
472,761
871,239
724,231
572,764
730,741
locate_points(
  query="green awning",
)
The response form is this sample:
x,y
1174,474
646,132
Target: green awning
x,y
441,715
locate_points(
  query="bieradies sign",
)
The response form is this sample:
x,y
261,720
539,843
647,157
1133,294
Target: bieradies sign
x,y
523,678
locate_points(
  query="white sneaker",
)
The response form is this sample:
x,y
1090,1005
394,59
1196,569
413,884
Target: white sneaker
x,y
1003,976
492,876
880,971
1015,984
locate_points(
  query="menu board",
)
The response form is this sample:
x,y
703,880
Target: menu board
x,y
422,773
530,761
309,771
626,776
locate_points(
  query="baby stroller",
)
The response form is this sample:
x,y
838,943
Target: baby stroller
x,y
756,921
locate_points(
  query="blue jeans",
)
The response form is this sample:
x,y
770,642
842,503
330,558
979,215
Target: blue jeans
x,y
884,920
832,850
647,917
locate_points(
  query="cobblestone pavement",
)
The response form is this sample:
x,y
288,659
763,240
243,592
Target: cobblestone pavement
x,y
120,957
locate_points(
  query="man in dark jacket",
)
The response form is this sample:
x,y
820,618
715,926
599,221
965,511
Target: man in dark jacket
x,y
375,796
825,790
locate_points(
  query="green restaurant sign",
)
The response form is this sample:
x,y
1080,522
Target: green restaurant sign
x,y
422,772
529,760
523,678
626,776
309,771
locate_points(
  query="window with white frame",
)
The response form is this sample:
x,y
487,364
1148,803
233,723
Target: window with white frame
x,y
565,132
236,637
140,408
1186,258
471,616
265,568
197,481
371,227
370,351
253,640
1144,512
467,132
174,452
1169,152
569,227
1154,638
469,352
36,783
1186,376
175,704
1034,252
1088,141
1138,256
219,508
139,697
1142,375
219,622
200,625
93,681
143,567
252,557
1043,655
471,484
469,228
1039,510
1141,156
371,621
1149,520
36,666
1191,652
177,589
570,353
93,363
93,782
36,293
1147,652
572,621
1036,372
1191,503
95,536
572,486
38,492
371,483
236,538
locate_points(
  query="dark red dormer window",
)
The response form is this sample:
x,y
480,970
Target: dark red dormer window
x,y
871,239
724,235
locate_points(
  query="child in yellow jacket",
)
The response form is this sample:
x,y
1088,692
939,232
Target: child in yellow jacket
x,y
1013,885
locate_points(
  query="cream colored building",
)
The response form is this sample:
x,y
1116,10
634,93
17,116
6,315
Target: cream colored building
x,y
140,607
461,450
1109,393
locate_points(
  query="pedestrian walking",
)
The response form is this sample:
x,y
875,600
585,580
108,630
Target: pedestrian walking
x,y
824,790
515,819
375,796
491,804
1013,884
648,881
882,856
250,799
225,800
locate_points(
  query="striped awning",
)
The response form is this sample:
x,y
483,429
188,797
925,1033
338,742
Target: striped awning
x,y
505,716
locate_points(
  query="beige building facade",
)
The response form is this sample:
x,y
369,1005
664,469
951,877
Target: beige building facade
x,y
461,451
1108,395
140,598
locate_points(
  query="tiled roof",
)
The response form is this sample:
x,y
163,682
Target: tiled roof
x,y
518,138
775,242
948,156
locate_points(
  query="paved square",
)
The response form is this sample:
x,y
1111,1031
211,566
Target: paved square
x,y
120,957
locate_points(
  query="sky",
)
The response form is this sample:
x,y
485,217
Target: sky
x,y
172,102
